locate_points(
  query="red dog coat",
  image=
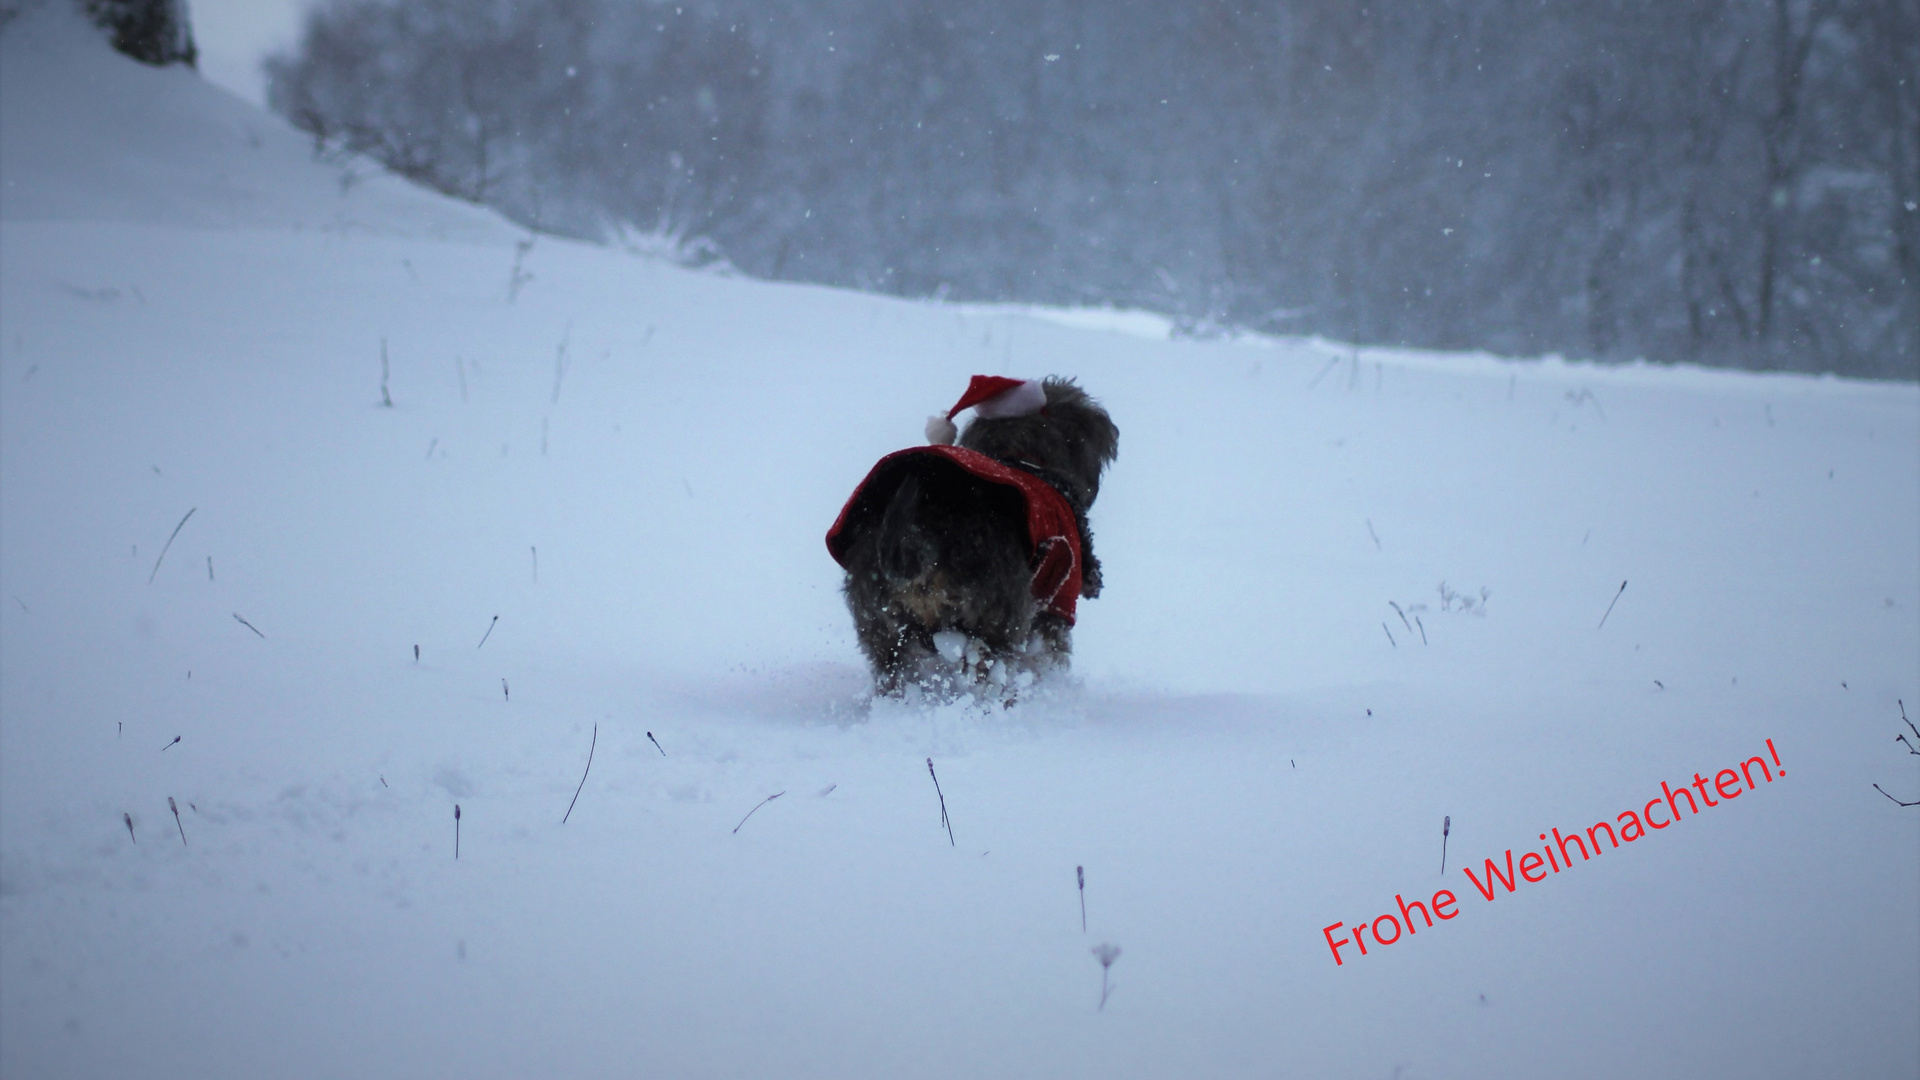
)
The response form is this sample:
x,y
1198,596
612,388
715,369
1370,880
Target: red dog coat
x,y
1053,536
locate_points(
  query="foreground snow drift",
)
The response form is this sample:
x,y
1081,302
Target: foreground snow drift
x,y
1255,747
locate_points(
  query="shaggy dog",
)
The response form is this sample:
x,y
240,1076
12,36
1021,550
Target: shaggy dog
x,y
963,563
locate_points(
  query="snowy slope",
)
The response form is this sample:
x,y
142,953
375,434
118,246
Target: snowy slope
x,y
1242,759
116,141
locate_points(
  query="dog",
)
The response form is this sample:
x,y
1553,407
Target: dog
x,y
963,563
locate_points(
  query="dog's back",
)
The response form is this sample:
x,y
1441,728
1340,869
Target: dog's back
x,y
949,552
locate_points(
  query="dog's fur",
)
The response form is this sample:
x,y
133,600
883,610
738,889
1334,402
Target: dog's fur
x,y
950,553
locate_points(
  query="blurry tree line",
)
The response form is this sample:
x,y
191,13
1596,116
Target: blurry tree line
x,y
1732,182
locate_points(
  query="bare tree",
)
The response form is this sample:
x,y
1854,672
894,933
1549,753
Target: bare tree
x,y
155,32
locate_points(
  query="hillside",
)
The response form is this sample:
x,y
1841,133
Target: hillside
x,y
632,466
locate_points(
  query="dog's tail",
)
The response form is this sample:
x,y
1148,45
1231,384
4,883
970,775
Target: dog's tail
x,y
910,556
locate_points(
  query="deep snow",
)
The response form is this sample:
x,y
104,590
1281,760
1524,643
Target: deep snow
x,y
192,312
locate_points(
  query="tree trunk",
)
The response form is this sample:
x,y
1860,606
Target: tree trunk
x,y
1780,130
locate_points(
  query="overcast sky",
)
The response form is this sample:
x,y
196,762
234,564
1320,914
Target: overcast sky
x,y
234,34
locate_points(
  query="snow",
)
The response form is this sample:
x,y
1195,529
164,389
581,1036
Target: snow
x,y
234,35
192,313
97,138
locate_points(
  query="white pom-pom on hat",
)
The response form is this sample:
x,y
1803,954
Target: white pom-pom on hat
x,y
991,397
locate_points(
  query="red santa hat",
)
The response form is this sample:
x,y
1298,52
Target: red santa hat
x,y
991,397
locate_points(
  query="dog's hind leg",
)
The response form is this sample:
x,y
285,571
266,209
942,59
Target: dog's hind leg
x,y
1048,649
947,554
893,642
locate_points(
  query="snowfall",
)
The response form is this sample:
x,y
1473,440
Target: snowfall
x,y
270,421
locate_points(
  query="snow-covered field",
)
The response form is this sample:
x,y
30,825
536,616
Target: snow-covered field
x,y
192,318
